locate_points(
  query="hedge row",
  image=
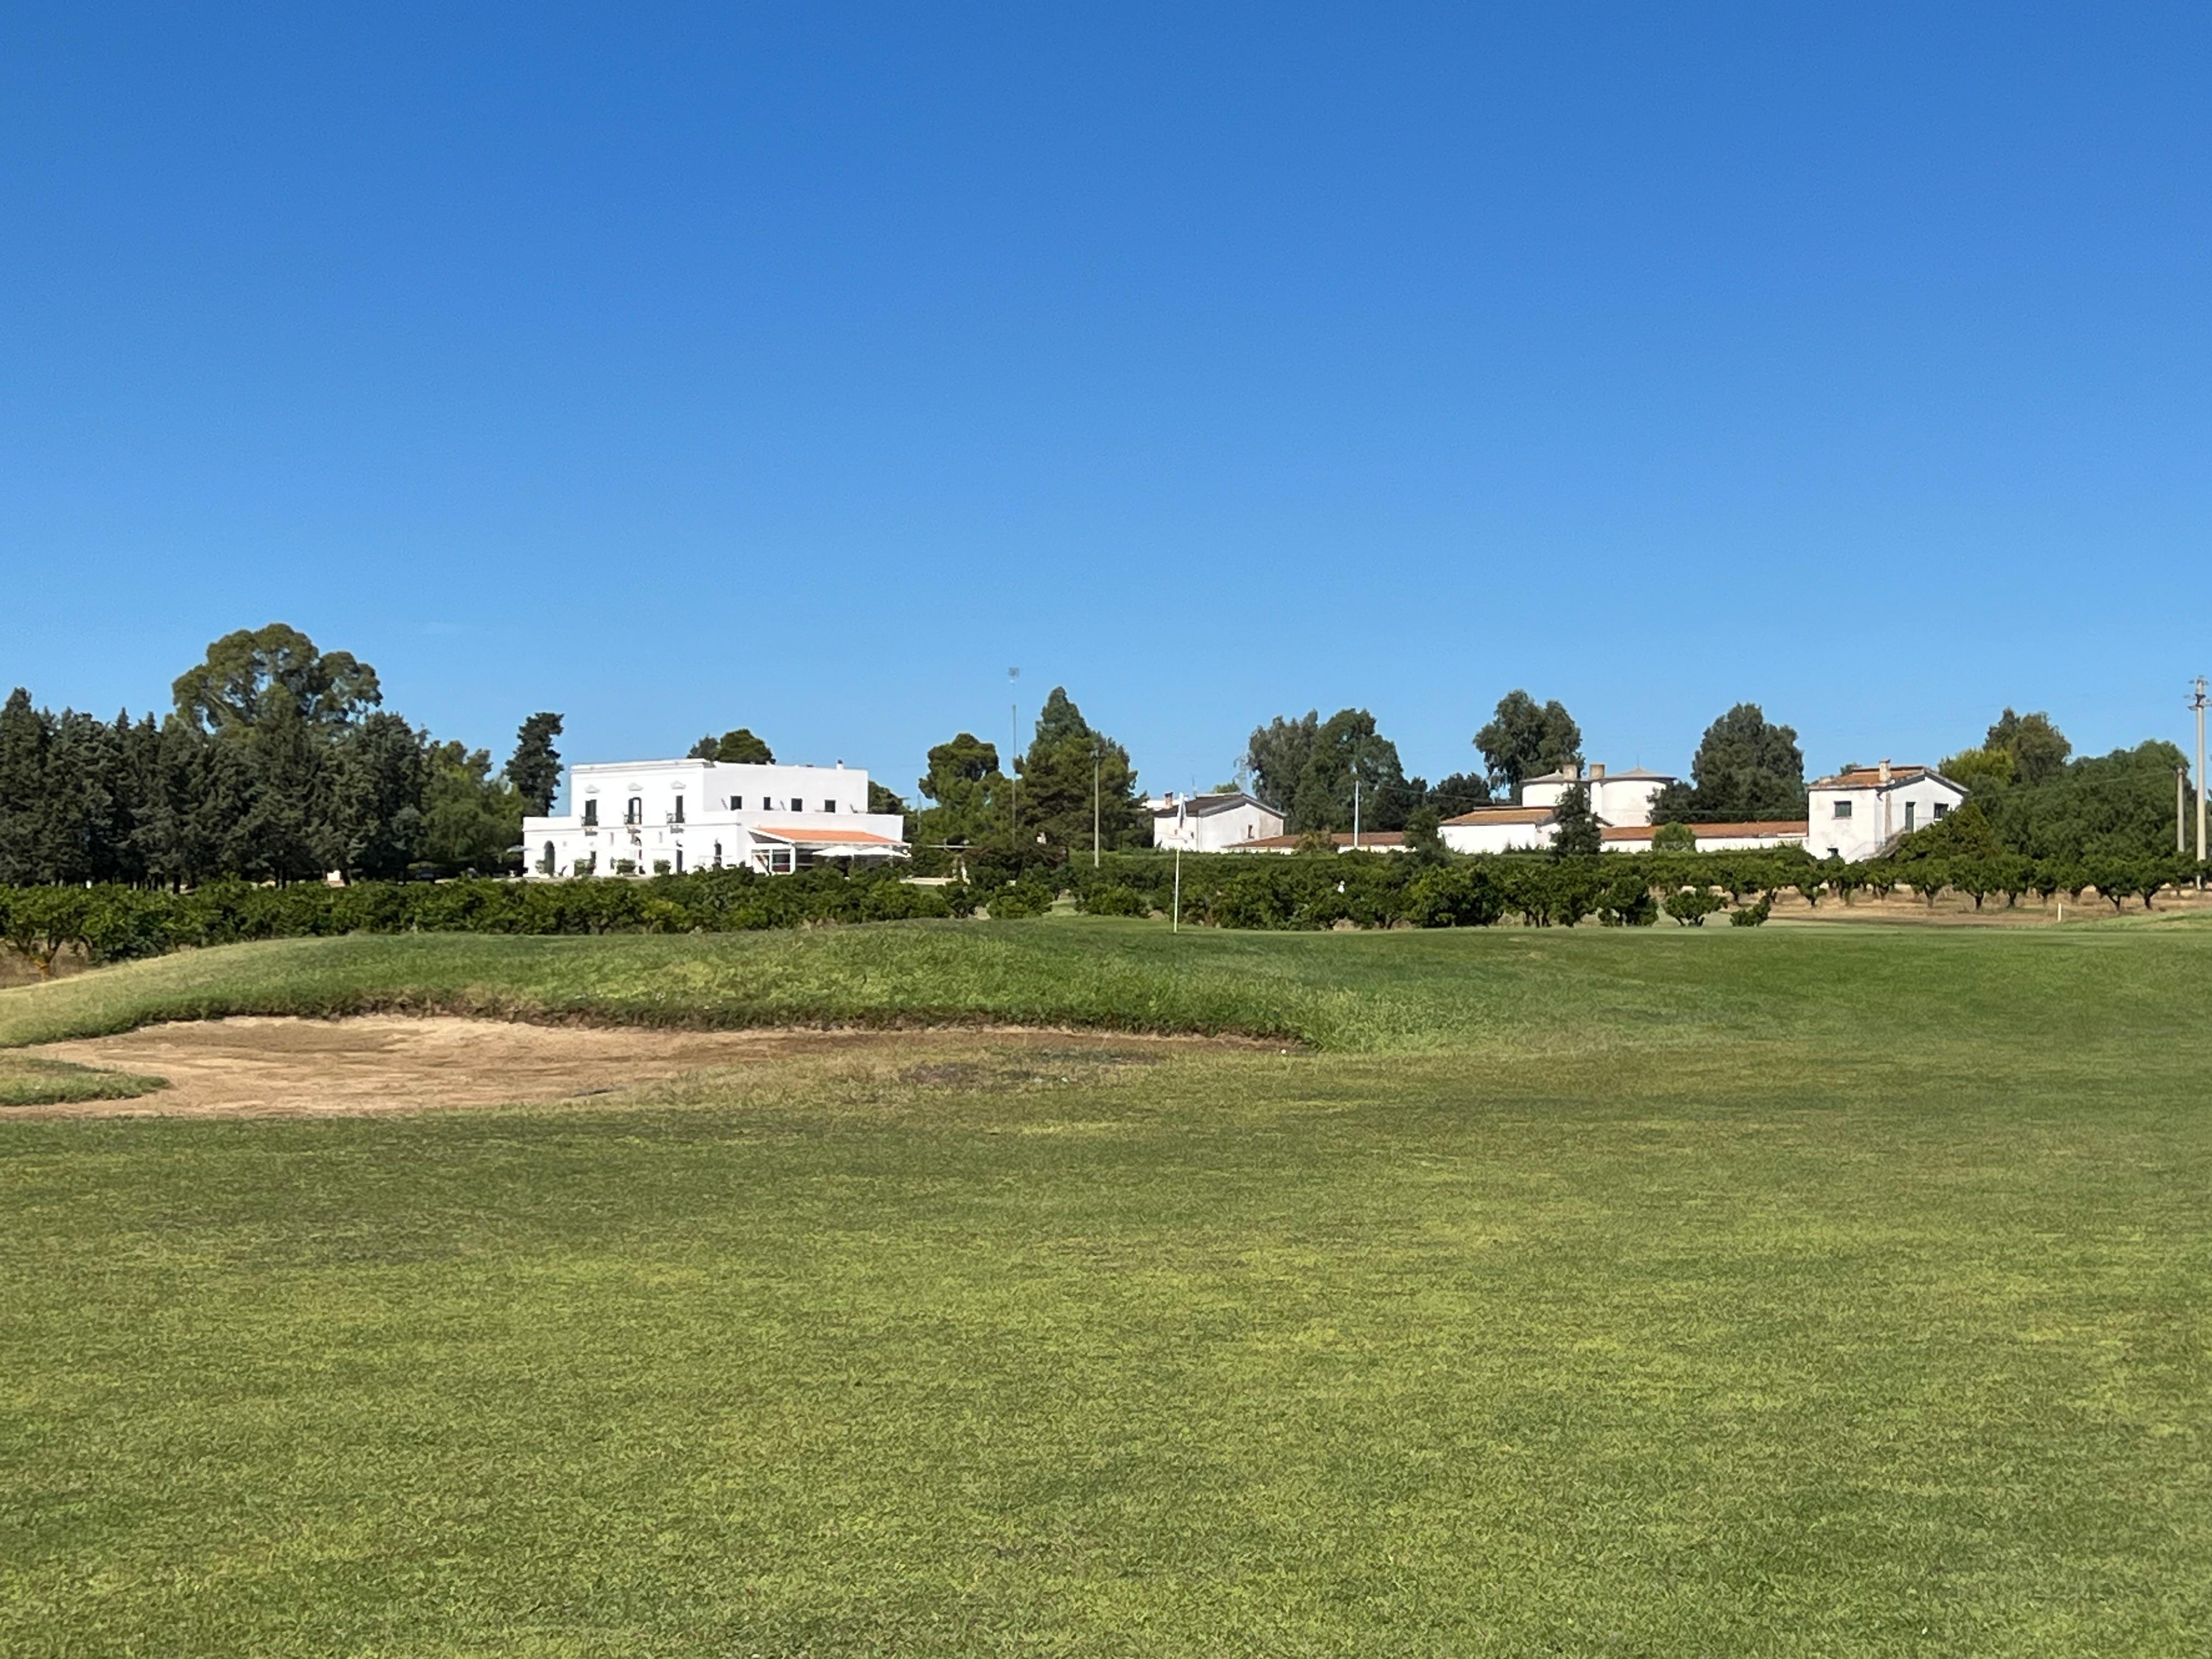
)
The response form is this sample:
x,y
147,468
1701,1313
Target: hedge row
x,y
1384,890
114,923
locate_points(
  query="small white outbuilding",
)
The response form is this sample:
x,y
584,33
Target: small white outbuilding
x,y
1857,813
1222,822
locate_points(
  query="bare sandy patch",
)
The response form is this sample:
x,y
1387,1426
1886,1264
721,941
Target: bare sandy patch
x,y
257,1066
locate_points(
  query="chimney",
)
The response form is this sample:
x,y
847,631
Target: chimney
x,y
1597,772
1574,768
1884,775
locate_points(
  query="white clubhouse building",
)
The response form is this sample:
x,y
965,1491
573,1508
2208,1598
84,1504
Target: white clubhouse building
x,y
667,816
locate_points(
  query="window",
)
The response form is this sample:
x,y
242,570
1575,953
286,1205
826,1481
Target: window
x,y
635,813
737,803
591,813
1843,809
678,819
1941,807
679,860
829,805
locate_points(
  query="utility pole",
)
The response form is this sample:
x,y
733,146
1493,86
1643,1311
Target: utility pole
x,y
2180,834
2196,702
1097,758
1013,749
1355,812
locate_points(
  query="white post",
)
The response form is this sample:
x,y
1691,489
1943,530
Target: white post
x,y
1355,812
1175,915
1097,756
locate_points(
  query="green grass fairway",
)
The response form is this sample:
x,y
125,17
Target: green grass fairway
x,y
1768,1293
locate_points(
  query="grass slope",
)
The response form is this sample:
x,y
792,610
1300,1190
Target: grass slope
x,y
1589,1293
1367,992
29,1080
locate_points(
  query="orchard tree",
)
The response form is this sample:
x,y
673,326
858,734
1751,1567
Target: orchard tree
x,y
1525,740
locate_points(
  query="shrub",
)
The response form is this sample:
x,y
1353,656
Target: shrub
x,y
1464,895
1690,906
1113,901
1752,915
1017,900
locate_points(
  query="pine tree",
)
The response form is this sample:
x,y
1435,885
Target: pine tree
x,y
534,769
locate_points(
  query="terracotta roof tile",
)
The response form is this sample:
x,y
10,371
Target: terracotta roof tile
x,y
838,837
1505,815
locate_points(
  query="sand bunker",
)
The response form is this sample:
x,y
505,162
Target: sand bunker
x,y
254,1067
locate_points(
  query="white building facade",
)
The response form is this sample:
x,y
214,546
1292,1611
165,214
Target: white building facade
x,y
669,817
1856,814
1618,797
1370,840
1762,835
1212,823
1500,829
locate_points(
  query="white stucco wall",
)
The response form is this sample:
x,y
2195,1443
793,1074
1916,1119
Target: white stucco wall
x,y
1218,832
1497,837
1877,813
710,830
1615,800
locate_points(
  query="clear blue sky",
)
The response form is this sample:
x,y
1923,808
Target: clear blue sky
x,y
803,367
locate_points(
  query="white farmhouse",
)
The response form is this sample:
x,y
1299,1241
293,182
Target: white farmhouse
x,y
1618,797
1857,813
1213,823
666,816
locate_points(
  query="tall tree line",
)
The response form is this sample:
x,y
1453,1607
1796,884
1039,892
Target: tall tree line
x,y
277,763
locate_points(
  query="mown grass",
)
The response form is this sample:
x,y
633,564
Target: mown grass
x,y
1405,992
30,1080
1589,1293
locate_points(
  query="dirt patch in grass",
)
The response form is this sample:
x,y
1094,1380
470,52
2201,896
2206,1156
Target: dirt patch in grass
x,y
283,1067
